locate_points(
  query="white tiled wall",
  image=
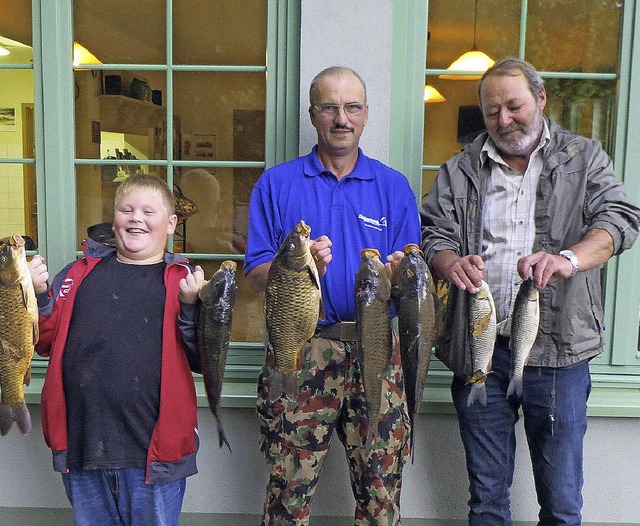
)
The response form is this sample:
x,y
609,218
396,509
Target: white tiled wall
x,y
11,197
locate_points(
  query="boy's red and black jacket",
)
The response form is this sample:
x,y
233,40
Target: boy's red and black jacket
x,y
174,443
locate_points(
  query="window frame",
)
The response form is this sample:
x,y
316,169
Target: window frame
x,y
54,115
616,384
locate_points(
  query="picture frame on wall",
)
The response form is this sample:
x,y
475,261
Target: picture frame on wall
x,y
7,119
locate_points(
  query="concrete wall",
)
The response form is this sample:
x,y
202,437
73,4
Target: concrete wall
x,y
434,485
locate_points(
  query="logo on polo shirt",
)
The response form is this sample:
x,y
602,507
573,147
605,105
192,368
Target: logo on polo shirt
x,y
377,224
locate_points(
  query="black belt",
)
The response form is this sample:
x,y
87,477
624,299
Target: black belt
x,y
503,341
344,331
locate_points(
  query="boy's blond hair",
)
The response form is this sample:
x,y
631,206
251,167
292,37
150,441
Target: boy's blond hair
x,y
149,183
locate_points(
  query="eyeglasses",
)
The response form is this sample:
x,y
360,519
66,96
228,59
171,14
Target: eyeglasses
x,y
331,110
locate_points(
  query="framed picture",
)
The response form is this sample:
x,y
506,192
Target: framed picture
x,y
7,119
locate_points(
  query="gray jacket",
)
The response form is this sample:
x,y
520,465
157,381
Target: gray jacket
x,y
577,191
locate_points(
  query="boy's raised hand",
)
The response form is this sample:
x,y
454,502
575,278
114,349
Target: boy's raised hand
x,y
39,274
190,285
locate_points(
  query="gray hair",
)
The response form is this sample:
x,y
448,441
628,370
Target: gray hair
x,y
333,71
512,67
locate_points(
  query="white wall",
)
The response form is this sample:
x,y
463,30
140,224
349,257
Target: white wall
x,y
356,34
434,486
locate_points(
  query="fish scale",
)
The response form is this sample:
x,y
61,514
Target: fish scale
x,y
18,333
213,324
482,336
414,299
524,330
374,338
293,304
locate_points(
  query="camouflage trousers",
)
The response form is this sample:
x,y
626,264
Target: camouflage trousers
x,y
295,436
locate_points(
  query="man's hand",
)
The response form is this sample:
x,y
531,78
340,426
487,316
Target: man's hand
x,y
465,272
321,253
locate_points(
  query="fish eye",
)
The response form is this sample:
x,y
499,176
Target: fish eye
x,y
292,246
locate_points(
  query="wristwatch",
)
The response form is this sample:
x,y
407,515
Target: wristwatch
x,y
572,258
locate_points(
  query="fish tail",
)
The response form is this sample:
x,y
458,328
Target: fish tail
x,y
290,386
15,412
478,393
276,387
515,386
222,438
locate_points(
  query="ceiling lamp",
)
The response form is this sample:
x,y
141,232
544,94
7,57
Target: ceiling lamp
x,y
81,55
473,60
4,51
431,94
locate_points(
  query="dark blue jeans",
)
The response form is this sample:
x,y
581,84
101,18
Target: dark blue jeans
x,y
120,497
554,406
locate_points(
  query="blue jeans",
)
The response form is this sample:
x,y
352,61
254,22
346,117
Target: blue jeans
x,y
120,497
554,405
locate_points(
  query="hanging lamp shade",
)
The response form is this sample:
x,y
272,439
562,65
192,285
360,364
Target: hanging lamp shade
x,y
82,56
4,51
473,60
431,94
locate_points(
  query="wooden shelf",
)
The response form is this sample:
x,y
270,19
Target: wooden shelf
x,y
120,114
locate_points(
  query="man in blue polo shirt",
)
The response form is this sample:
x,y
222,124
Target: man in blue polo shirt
x,y
351,202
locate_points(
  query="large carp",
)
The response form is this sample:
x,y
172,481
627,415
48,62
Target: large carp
x,y
18,333
213,324
524,330
482,336
373,328
414,299
293,304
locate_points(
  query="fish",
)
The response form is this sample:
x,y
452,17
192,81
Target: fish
x,y
373,329
524,331
413,295
18,333
213,328
482,336
293,305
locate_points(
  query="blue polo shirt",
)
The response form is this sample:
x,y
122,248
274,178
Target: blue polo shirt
x,y
372,207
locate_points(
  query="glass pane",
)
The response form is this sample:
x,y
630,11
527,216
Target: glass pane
x,y
248,312
119,32
227,32
219,225
119,114
452,24
586,107
563,35
18,200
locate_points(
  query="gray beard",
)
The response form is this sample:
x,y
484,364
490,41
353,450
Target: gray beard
x,y
525,143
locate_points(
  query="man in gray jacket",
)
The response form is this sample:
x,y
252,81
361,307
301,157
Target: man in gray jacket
x,y
525,199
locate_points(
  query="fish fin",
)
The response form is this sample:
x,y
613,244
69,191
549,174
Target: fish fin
x,y
36,332
6,418
276,384
322,315
15,412
290,386
27,376
478,393
222,438
515,387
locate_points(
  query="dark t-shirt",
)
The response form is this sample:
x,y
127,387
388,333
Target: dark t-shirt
x,y
111,365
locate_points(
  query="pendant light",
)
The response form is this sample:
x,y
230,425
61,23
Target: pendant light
x,y
431,94
4,51
473,60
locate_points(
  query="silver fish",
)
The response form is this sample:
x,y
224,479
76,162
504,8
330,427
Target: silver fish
x,y
482,336
524,330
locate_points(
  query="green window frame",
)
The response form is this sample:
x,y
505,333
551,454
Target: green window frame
x,y
56,160
616,374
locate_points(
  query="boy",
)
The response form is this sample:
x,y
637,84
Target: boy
x,y
118,402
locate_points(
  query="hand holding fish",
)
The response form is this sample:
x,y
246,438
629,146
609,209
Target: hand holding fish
x,y
190,285
393,262
39,274
321,253
465,272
